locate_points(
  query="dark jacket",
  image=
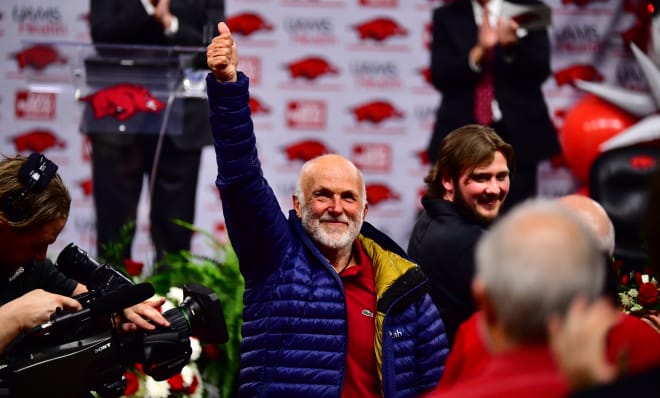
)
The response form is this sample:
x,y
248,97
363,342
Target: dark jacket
x,y
518,77
443,243
294,320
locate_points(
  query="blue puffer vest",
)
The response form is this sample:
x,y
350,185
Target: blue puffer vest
x,y
294,320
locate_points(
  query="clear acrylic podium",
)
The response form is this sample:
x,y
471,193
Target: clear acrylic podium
x,y
127,88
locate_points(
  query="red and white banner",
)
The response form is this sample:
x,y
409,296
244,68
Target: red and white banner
x,y
345,76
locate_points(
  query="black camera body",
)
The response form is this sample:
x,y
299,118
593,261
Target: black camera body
x,y
83,351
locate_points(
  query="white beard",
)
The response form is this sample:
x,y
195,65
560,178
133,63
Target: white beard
x,y
331,239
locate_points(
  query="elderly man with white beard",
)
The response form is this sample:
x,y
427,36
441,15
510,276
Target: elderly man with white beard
x,y
333,307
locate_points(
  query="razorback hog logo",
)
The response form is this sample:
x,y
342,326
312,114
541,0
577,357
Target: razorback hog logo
x,y
305,150
257,106
426,74
86,186
38,140
248,23
38,57
423,157
311,68
642,162
577,72
380,29
376,112
123,101
378,193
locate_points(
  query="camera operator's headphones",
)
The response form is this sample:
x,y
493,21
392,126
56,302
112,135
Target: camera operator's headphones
x,y
35,174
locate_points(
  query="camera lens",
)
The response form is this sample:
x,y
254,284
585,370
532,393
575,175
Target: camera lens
x,y
76,264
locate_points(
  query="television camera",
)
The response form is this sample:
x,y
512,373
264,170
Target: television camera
x,y
83,351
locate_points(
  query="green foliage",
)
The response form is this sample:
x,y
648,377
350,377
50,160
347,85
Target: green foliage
x,y
113,253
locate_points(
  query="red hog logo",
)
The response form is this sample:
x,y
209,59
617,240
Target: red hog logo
x,y
37,141
123,101
376,112
248,23
423,157
378,193
311,68
380,29
38,57
642,162
426,74
577,72
256,106
86,186
305,150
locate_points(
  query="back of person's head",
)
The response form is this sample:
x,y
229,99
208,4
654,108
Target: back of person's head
x,y
32,194
533,262
595,217
462,150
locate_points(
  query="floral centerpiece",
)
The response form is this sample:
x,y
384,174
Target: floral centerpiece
x,y
213,368
639,293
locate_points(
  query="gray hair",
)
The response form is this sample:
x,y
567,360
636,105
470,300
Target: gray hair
x,y
533,262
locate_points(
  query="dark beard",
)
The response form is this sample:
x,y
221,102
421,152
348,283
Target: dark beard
x,y
466,212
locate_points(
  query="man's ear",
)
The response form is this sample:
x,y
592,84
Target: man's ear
x,y
481,300
296,206
448,185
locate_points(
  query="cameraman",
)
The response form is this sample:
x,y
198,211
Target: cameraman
x,y
34,207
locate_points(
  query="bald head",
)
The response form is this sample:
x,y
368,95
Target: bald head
x,y
330,166
594,216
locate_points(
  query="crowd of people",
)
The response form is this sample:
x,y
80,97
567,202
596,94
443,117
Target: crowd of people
x,y
488,300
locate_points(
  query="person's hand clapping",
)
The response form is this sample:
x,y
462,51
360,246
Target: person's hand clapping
x,y
507,32
162,13
221,55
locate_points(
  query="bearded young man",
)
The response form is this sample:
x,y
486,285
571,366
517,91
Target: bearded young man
x,y
465,191
332,306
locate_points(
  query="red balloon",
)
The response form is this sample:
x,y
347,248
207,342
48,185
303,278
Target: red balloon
x,y
589,123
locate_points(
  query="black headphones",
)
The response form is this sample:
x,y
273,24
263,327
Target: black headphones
x,y
35,174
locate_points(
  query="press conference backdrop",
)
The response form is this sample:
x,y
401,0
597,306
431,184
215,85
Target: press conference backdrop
x,y
346,76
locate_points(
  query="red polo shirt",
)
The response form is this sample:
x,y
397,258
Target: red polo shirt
x,y
361,379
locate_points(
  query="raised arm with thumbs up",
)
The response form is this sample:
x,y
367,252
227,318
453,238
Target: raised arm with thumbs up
x,y
221,55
